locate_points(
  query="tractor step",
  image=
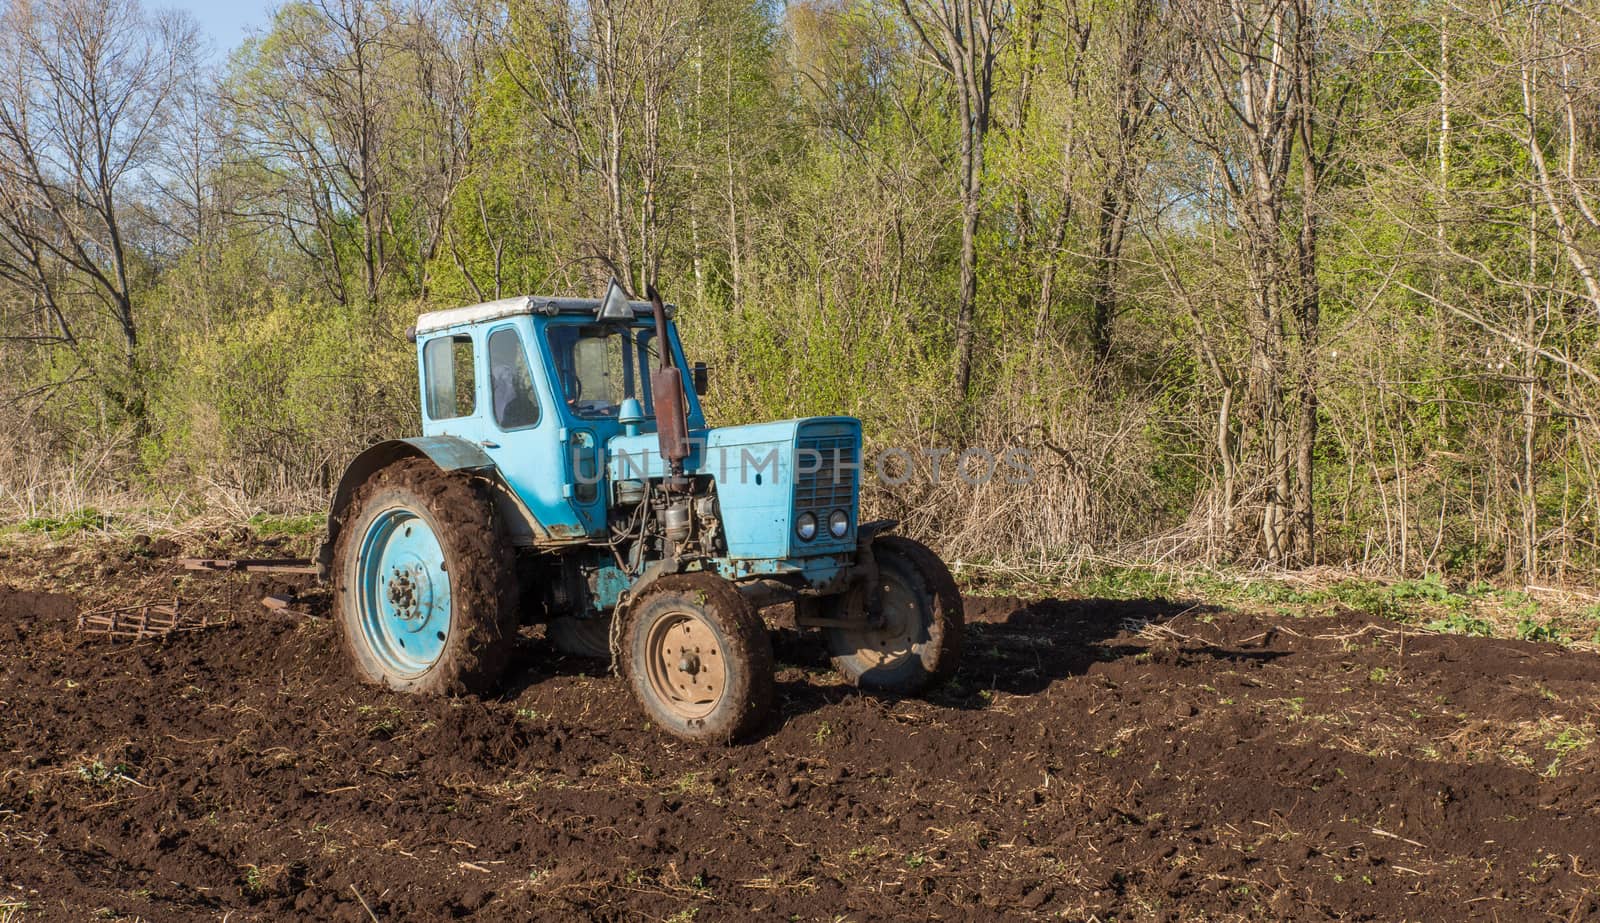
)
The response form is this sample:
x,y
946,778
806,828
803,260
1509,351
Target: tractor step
x,y
252,565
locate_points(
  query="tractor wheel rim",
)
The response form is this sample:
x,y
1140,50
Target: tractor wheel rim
x,y
685,665
404,592
902,624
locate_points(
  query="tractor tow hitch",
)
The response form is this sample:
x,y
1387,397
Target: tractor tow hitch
x,y
253,565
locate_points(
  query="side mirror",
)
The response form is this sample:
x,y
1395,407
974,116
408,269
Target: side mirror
x,y
702,378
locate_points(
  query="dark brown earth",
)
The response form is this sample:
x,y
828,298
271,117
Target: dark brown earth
x,y
1128,760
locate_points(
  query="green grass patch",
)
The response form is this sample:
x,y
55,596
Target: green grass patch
x,y
1530,630
81,520
1430,602
98,773
1458,623
268,525
1564,744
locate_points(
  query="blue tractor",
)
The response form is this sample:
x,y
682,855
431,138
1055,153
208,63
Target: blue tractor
x,y
565,475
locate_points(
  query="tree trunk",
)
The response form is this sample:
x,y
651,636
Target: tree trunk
x,y
1308,304
969,34
971,167
1113,222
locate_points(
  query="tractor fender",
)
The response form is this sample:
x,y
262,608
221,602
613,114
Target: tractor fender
x,y
868,531
450,454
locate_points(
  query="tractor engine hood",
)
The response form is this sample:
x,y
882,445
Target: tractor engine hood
x,y
768,476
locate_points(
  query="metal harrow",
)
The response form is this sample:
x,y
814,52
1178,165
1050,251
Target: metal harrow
x,y
139,622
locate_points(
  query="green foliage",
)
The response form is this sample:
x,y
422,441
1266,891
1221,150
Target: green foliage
x,y
98,773
1569,740
1128,583
254,881
280,398
1364,596
1429,587
268,525
80,520
1460,624
1477,609
792,184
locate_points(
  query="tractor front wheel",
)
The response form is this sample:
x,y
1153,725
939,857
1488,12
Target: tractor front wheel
x,y
699,658
918,643
425,590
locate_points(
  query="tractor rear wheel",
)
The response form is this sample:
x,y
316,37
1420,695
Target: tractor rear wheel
x,y
424,587
699,658
919,643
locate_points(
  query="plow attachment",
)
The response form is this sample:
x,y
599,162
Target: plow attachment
x,y
140,622
144,621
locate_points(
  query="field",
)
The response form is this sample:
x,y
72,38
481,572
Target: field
x,y
1095,759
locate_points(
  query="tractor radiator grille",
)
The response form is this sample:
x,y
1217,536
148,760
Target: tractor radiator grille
x,y
832,485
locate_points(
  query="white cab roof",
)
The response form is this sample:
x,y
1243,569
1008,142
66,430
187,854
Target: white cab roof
x,y
511,307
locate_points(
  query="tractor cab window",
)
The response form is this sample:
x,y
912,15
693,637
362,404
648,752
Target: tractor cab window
x,y
600,365
450,378
510,384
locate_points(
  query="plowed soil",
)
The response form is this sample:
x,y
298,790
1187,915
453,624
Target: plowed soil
x,y
1128,760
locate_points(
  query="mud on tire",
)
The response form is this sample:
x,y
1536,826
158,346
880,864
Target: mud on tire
x,y
700,621
482,585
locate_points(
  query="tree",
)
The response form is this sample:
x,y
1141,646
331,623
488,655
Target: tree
x,y
601,75
82,121
1256,60
964,39
312,122
353,118
1132,109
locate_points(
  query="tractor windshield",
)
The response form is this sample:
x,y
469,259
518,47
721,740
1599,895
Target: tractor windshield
x,y
600,365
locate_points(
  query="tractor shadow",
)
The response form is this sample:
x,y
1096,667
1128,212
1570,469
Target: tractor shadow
x,y
1015,647
536,660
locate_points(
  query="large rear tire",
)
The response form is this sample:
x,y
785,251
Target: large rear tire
x,y
425,589
919,644
699,658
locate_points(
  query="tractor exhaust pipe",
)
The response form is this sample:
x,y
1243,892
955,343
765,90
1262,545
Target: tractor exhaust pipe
x,y
666,385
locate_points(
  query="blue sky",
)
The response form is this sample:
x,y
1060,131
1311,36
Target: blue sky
x,y
224,22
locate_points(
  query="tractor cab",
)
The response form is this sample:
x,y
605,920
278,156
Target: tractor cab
x,y
539,385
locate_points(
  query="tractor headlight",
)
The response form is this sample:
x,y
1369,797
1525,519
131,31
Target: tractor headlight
x,y
806,527
838,523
